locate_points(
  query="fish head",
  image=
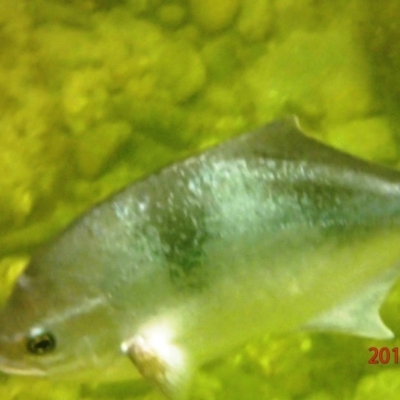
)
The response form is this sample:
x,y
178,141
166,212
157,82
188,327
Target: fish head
x,y
52,324
73,306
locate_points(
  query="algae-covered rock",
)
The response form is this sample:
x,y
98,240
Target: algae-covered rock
x,y
369,138
85,98
10,268
348,94
29,148
179,71
320,71
213,16
140,7
379,35
96,148
159,121
256,19
295,15
220,57
147,64
223,100
63,47
171,15
321,395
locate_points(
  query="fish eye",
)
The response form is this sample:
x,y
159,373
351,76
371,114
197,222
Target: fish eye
x,y
41,343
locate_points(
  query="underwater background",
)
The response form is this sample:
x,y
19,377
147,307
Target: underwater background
x,y
97,93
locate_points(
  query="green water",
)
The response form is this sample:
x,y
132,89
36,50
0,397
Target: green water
x,y
96,93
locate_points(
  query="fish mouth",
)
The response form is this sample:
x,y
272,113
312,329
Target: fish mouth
x,y
9,368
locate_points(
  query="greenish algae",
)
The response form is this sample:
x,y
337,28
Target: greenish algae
x,y
97,93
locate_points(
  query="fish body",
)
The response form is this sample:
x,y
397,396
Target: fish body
x,y
267,232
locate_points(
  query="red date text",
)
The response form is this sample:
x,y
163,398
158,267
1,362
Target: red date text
x,y
384,355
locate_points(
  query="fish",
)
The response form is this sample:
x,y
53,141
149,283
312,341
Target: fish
x,y
269,232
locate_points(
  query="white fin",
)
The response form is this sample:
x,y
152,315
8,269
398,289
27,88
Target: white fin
x,y
161,363
359,315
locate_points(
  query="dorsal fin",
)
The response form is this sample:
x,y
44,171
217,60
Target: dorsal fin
x,y
283,140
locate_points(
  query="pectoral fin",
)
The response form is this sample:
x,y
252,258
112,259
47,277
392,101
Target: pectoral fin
x,y
162,363
359,315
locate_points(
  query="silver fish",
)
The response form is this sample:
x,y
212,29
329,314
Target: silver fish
x,y
268,232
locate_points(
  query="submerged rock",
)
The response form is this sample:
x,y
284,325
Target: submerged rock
x,y
213,16
255,20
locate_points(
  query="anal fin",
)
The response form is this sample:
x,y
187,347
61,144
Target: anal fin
x,y
359,315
